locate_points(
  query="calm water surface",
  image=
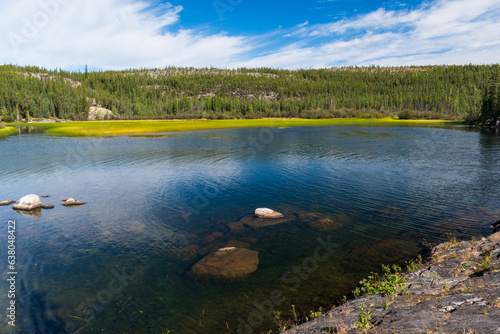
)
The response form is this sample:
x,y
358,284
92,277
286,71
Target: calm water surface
x,y
118,263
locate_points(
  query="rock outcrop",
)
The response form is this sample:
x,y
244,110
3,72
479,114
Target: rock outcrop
x,y
28,203
457,291
6,203
228,264
99,113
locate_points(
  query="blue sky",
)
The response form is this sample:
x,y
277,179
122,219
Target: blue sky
x,y
259,17
120,34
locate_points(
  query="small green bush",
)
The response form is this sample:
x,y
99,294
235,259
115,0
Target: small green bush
x,y
364,317
390,283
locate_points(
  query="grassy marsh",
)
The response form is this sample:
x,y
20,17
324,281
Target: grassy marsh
x,y
113,128
7,131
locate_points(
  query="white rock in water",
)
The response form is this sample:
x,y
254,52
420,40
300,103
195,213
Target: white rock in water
x,y
28,202
265,213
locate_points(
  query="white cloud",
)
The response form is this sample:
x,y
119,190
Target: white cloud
x,y
115,34
444,32
107,34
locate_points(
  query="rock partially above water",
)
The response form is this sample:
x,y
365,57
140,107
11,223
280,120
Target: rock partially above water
x,y
27,203
495,226
265,213
47,206
72,202
6,203
252,221
228,264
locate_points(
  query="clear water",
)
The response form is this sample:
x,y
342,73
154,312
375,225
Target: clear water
x,y
118,263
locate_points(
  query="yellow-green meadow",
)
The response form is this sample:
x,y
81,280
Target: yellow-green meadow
x,y
7,131
113,128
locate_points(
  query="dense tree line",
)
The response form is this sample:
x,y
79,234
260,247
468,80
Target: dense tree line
x,y
411,92
491,102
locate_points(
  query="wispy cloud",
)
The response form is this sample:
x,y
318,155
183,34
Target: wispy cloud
x,y
443,32
115,34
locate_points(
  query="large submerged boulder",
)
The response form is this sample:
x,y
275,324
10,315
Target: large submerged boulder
x,y
265,213
28,203
226,265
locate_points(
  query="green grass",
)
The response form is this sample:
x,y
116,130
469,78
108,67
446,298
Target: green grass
x,y
112,128
7,131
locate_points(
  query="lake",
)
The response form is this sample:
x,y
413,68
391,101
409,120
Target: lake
x,y
155,205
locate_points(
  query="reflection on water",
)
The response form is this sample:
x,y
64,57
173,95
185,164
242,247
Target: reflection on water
x,y
354,198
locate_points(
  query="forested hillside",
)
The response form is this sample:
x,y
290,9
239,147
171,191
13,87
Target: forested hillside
x,y
491,103
410,92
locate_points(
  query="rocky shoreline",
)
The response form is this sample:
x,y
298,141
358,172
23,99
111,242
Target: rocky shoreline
x,y
457,290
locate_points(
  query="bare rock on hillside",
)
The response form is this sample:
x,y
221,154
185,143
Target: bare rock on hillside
x,y
99,113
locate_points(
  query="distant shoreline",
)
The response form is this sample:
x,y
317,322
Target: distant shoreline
x,y
126,127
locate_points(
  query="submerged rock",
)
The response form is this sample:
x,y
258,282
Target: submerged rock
x,y
236,227
72,202
237,244
212,237
27,203
265,213
6,203
228,264
325,224
182,253
47,206
310,215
